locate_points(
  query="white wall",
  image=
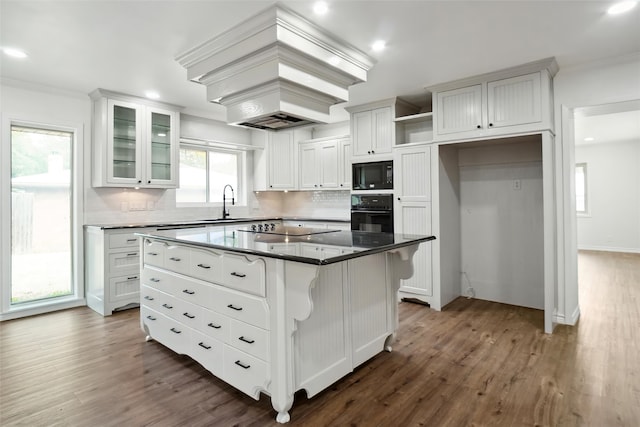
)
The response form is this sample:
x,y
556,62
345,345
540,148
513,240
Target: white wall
x,y
613,80
501,220
613,179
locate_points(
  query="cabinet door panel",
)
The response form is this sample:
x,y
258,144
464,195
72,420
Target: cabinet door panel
x,y
124,141
362,130
413,174
415,218
345,164
459,110
309,173
282,171
161,147
514,101
329,165
382,140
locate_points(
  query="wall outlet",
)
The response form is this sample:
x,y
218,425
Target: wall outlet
x,y
517,185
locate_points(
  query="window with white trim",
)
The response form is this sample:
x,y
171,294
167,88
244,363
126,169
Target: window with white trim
x,y
204,171
581,188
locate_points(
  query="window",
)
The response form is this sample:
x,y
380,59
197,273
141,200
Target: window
x,y
581,188
204,171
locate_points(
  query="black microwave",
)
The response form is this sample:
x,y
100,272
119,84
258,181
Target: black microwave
x,y
373,175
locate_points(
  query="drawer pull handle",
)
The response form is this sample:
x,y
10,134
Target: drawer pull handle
x,y
239,363
150,317
148,298
167,306
132,277
132,240
152,253
188,292
233,307
214,326
190,316
176,331
242,338
133,254
154,280
174,259
204,266
238,274
203,345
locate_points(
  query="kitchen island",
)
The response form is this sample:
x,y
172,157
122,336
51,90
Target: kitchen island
x,y
276,309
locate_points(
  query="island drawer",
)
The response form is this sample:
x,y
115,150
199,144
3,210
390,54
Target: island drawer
x,y
249,309
152,297
157,279
214,324
245,372
176,259
154,252
250,339
205,265
244,274
208,352
191,290
165,330
123,240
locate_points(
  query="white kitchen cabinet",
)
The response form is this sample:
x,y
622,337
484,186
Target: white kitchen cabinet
x,y
510,101
412,215
414,128
320,165
371,133
459,110
112,268
276,167
135,142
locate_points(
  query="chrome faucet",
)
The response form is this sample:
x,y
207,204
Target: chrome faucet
x,y
225,211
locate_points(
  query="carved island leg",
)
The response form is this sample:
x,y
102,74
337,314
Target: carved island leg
x,y
402,259
291,302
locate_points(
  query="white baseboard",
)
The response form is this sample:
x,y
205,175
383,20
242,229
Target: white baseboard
x,y
608,249
561,319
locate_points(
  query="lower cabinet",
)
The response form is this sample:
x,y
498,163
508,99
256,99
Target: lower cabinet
x,y
112,268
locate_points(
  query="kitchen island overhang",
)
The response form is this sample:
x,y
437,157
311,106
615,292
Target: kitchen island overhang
x,y
274,313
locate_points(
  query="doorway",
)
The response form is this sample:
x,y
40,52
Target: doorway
x,y
39,218
607,195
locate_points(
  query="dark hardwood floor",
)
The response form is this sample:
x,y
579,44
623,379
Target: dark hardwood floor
x,y
477,363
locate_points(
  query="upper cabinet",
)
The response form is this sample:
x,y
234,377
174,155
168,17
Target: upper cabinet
x,y
510,101
373,129
325,164
135,142
276,167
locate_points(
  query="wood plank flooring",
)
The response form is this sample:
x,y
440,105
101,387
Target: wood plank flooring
x,y
477,363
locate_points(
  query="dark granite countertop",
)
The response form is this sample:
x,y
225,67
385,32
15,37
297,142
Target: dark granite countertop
x,y
206,222
288,242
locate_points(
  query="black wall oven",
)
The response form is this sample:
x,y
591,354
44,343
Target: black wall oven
x,y
373,175
372,212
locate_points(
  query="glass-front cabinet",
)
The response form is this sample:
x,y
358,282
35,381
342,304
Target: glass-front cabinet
x,y
135,143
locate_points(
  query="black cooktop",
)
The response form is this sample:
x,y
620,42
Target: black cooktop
x,y
283,230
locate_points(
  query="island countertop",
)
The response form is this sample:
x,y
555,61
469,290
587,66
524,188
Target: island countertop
x,y
286,243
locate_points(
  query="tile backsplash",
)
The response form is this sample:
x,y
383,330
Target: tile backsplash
x,y
306,204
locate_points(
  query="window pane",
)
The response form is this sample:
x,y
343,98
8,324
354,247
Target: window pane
x,y
41,214
581,188
193,176
223,170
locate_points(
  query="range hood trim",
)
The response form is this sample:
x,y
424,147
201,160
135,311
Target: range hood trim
x,y
276,65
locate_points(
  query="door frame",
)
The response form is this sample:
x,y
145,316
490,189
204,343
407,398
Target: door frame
x,y
77,205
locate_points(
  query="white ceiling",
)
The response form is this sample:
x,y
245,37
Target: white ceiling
x,y
130,46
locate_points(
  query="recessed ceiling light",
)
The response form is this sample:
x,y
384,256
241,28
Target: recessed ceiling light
x,y
588,139
14,53
378,45
152,94
621,7
320,7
